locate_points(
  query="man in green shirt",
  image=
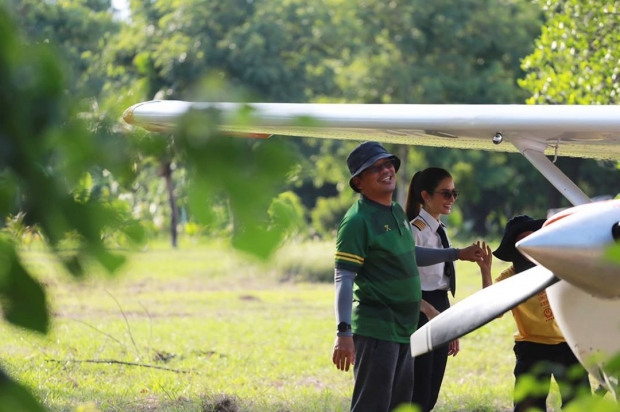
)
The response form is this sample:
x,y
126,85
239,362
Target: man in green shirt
x,y
377,268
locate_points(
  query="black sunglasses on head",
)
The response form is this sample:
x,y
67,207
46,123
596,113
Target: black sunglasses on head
x,y
447,194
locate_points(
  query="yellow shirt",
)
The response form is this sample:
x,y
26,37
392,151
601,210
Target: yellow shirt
x,y
534,318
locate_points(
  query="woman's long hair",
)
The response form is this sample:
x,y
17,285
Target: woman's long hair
x,y
427,179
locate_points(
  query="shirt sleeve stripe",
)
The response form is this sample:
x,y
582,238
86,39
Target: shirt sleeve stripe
x,y
349,260
349,257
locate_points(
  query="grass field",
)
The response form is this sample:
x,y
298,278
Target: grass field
x,y
204,328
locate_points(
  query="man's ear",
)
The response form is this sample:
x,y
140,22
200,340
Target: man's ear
x,y
357,181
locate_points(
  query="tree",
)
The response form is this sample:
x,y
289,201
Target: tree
x,y
576,57
441,51
274,49
576,62
446,52
78,29
48,148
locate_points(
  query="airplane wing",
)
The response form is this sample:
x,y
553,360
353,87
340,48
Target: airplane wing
x,y
575,131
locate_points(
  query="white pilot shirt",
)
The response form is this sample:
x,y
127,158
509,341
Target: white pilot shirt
x,y
425,231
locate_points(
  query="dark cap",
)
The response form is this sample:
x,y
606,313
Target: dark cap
x,y
506,250
364,156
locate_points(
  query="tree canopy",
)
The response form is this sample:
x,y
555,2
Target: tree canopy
x,y
577,55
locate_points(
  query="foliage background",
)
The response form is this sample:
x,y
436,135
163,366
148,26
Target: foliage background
x,y
474,51
74,175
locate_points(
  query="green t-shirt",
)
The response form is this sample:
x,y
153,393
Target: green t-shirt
x,y
375,241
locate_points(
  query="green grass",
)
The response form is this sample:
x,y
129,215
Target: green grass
x,y
229,330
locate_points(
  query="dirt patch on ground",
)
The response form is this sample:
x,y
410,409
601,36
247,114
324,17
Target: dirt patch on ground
x,y
220,403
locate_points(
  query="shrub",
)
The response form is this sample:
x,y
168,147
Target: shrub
x,y
310,261
328,213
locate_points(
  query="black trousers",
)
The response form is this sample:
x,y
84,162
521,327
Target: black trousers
x,y
383,375
536,362
428,369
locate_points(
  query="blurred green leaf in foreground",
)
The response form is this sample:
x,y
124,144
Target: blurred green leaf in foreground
x,y
49,147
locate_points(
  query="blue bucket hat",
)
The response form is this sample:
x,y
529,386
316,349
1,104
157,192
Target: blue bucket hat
x,y
364,156
506,250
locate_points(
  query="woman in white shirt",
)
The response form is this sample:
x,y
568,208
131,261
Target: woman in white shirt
x,y
432,194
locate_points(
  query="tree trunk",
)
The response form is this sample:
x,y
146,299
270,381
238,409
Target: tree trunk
x,y
554,199
479,215
166,173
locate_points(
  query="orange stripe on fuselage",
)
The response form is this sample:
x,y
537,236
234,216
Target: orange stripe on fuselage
x,y
248,135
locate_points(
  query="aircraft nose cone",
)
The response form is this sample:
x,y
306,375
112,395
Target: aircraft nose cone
x,y
573,248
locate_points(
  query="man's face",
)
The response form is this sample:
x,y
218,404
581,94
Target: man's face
x,y
379,179
523,235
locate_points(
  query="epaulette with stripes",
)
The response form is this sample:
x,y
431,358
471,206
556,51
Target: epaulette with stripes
x,y
419,223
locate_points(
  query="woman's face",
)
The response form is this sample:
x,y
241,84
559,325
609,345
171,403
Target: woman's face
x,y
439,201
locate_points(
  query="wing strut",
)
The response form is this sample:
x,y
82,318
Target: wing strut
x,y
534,152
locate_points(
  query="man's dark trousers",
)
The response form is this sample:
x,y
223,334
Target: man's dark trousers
x,y
383,375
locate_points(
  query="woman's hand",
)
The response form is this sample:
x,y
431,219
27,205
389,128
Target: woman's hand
x,y
485,264
454,347
428,310
471,253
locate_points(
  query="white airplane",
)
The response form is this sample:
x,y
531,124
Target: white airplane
x,y
583,287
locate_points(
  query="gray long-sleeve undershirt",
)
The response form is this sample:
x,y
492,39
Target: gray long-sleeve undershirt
x,y
343,280
427,256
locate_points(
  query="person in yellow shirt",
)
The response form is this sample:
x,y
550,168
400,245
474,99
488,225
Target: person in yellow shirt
x,y
540,348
